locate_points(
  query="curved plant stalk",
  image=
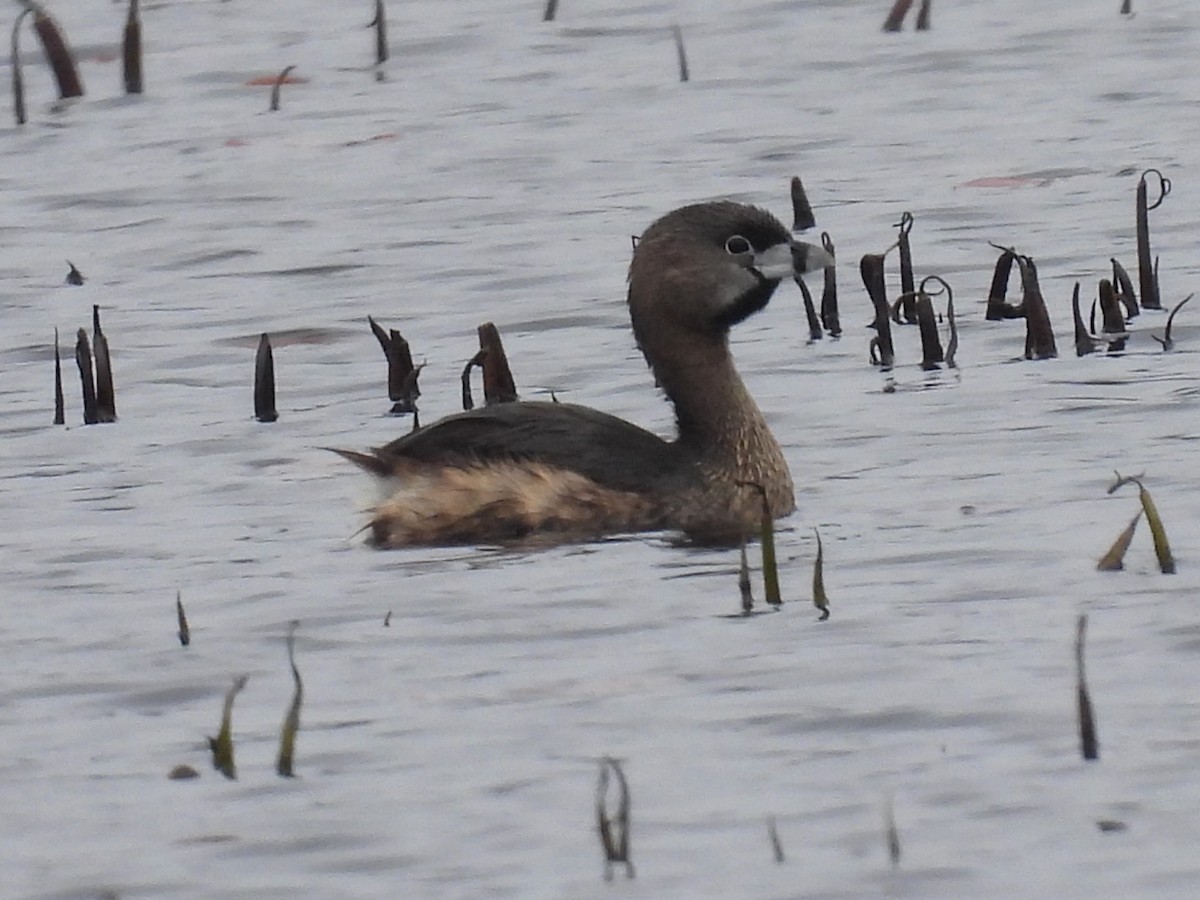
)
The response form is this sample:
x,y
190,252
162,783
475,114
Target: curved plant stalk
x,y
1147,274
951,321
613,829
1114,559
1125,292
1165,340
1084,343
908,297
401,382
58,53
820,598
810,312
871,269
767,538
1039,334
997,307
18,82
829,300
222,745
802,212
291,722
277,88
1162,549
132,50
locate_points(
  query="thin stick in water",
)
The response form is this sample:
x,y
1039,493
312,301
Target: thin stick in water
x,y
60,417
924,15
744,587
829,298
895,19
551,11
222,745
802,212
185,633
1165,340
58,53
1114,559
291,722
83,359
810,311
908,285
776,844
871,269
680,52
1147,276
106,398
891,833
18,81
379,23
613,829
132,50
1088,742
820,598
277,87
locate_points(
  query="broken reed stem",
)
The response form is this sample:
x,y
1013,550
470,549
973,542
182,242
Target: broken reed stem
x,y
74,276
379,23
222,745
277,87
1088,742
132,50
401,377
810,311
1162,548
871,269
997,307
1114,559
932,355
802,212
680,52
498,383
18,80
614,830
1147,274
1126,7
1039,333
944,288
829,299
924,16
744,587
907,284
895,19
551,11
820,598
60,417
1125,291
185,633
291,721
1083,338
57,52
468,402
767,538
83,359
264,381
106,399
776,844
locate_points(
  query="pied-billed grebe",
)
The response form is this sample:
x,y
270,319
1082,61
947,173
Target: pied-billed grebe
x,y
563,472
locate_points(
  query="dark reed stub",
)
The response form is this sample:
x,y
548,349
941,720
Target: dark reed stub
x,y
1126,7
1125,292
74,276
60,417
1089,744
1112,320
498,383
830,319
908,285
132,50
106,396
222,745
882,351
932,355
802,212
58,53
744,586
264,381
1147,268
997,306
776,843
680,52
1039,333
550,11
379,23
185,633
403,390
1084,344
895,18
83,359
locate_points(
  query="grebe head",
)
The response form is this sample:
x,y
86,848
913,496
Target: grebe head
x,y
703,268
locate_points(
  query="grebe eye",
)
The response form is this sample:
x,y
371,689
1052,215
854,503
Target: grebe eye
x,y
737,245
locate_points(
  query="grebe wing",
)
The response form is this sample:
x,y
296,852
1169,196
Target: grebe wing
x,y
609,450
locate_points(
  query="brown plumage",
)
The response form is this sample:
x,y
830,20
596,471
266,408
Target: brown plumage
x,y
558,471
